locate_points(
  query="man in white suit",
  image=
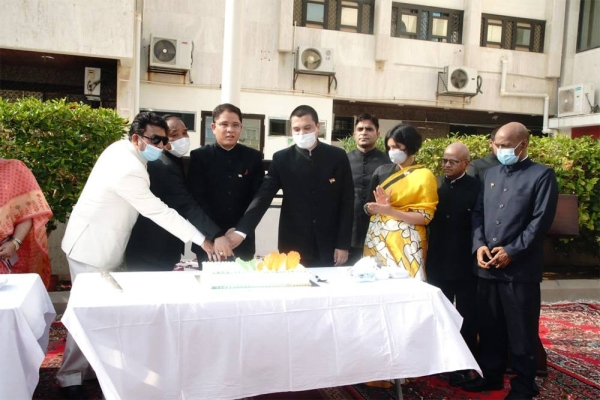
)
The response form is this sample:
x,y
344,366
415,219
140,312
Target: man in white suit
x,y
117,190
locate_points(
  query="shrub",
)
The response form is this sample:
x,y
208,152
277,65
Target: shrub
x,y
576,163
59,142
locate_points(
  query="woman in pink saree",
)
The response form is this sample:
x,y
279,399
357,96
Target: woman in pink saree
x,y
24,213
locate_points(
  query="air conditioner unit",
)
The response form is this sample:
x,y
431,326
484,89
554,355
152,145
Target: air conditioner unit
x,y
575,100
170,55
315,60
457,81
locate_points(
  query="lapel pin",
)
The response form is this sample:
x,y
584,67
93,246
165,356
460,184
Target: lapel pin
x,y
332,180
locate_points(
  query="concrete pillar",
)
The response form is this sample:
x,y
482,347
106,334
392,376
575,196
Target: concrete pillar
x,y
286,26
569,44
553,42
382,31
471,33
232,52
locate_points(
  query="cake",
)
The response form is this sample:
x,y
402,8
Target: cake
x,y
275,270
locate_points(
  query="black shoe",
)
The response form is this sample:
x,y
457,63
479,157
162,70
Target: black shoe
x,y
74,392
516,396
482,385
457,378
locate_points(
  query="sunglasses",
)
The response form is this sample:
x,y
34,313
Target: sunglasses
x,y
155,139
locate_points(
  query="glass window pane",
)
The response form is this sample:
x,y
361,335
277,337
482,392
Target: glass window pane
x,y
523,37
209,136
409,24
349,16
315,12
250,135
440,27
494,34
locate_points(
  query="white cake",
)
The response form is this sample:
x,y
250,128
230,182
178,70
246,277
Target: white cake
x,y
231,275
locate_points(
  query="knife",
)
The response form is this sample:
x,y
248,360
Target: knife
x,y
108,277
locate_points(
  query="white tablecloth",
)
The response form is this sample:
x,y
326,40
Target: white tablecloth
x,y
26,313
166,337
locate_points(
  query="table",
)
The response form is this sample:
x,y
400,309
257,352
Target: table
x,y
26,314
166,337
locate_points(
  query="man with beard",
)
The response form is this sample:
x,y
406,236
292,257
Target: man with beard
x,y
364,160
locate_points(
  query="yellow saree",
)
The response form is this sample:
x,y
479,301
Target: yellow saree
x,y
397,243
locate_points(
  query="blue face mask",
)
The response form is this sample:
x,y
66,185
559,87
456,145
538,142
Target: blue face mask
x,y
151,153
508,156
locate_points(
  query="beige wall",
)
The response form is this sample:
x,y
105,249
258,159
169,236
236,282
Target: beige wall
x,y
409,76
80,27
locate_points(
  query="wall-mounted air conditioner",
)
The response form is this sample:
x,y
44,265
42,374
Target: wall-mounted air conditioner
x,y
457,81
170,55
315,60
575,100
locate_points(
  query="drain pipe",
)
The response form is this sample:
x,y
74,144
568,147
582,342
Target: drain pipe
x,y
137,63
545,96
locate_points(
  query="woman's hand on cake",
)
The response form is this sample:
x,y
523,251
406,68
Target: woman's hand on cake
x,y
222,248
340,257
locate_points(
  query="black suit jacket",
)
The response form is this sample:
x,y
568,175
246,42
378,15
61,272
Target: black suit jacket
x,y
449,255
224,183
318,196
478,168
515,210
363,165
150,247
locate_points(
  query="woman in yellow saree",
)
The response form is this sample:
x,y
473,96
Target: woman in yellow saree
x,y
405,197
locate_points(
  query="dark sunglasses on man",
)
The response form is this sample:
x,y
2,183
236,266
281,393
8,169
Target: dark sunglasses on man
x,y
155,139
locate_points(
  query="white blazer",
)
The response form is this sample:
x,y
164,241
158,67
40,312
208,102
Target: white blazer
x,y
117,190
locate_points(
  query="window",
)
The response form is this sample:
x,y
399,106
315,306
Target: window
x,y
425,23
588,35
341,15
279,127
188,118
343,127
501,32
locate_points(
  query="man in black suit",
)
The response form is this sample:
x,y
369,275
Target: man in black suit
x,y
449,255
150,247
364,160
318,196
478,167
225,176
512,216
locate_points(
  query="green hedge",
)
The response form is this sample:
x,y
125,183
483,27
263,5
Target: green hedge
x,y
576,163
59,142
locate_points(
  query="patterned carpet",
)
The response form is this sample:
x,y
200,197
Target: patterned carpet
x,y
570,333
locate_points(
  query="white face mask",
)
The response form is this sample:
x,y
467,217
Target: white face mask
x,y
397,156
180,147
305,141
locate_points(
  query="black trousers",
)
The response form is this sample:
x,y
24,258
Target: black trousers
x,y
509,313
464,295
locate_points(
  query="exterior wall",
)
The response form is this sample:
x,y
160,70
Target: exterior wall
x,y
531,9
578,68
196,99
80,27
408,74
